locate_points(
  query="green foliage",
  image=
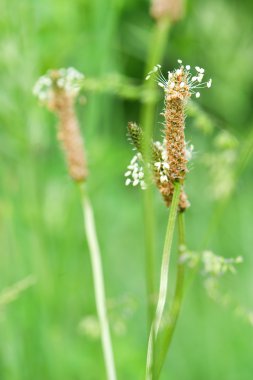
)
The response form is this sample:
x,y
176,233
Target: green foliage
x,y
41,232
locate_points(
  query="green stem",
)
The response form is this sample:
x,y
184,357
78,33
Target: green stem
x,y
98,280
166,258
177,299
163,282
156,52
150,256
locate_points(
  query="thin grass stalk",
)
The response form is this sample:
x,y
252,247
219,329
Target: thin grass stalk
x,y
166,258
163,289
177,299
98,279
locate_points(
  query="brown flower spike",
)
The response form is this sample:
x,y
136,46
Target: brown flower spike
x,y
169,159
175,99
158,164
167,8
58,90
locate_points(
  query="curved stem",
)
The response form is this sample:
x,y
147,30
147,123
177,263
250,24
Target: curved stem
x,y
98,280
163,282
177,299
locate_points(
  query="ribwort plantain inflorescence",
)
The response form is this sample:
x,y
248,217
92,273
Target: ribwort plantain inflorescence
x,y
173,9
58,90
169,158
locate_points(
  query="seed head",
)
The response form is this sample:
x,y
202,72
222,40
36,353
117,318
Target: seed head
x,y
180,85
168,161
158,166
167,8
58,90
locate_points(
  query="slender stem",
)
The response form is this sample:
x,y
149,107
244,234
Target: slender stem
x,y
166,257
156,52
163,282
98,280
150,256
177,299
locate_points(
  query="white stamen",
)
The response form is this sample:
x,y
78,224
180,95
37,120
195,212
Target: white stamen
x,y
209,83
134,159
163,178
143,185
197,94
200,77
128,181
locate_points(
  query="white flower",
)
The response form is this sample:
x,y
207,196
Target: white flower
x,y
134,159
158,164
143,185
189,152
186,87
217,265
200,77
66,79
135,172
163,178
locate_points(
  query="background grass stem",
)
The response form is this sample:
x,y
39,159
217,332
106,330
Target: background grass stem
x,y
98,280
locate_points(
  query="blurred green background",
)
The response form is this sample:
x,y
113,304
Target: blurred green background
x,y
49,330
